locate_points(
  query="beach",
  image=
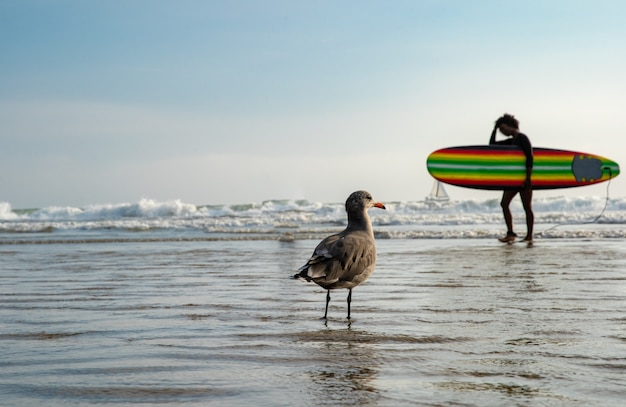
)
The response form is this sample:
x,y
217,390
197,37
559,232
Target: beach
x,y
198,316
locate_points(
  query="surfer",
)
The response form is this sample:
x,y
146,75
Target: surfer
x,y
509,126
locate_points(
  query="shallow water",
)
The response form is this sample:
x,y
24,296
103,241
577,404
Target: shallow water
x,y
465,322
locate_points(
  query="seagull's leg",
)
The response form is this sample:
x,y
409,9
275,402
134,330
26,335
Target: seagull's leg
x,y
327,301
349,301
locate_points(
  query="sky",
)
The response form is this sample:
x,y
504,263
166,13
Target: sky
x,y
226,102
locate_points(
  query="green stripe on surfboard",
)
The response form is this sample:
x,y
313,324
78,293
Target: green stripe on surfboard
x,y
501,167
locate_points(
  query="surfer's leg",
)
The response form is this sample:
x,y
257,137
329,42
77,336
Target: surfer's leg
x,y
527,197
507,197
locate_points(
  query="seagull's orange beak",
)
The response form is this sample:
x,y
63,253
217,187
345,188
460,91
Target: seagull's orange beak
x,y
379,205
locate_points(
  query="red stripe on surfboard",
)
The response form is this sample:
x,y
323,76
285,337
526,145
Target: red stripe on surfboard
x,y
483,183
457,152
490,167
486,152
499,184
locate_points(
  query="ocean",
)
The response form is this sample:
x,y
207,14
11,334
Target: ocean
x,y
172,303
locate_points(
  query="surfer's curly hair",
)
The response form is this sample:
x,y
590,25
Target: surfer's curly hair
x,y
507,119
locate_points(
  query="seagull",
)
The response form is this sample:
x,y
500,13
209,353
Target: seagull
x,y
345,259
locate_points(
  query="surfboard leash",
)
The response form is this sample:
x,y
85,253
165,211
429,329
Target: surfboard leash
x,y
606,204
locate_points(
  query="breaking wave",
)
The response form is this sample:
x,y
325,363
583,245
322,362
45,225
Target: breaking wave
x,y
304,219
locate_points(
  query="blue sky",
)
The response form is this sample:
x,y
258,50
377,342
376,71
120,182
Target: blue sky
x,y
242,101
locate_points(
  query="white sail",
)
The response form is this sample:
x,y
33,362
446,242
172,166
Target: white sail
x,y
438,193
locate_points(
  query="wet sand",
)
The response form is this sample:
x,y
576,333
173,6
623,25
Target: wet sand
x,y
441,322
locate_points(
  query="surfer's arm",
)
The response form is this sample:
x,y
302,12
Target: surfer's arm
x,y
527,181
505,142
492,140
524,143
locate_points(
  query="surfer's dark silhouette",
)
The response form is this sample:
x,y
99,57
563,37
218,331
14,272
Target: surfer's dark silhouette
x,y
509,126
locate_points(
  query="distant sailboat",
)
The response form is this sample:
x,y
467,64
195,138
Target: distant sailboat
x,y
438,193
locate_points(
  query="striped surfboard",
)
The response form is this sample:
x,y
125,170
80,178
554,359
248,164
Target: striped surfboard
x,y
501,167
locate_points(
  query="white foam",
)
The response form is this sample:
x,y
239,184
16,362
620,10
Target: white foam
x,y
6,213
151,214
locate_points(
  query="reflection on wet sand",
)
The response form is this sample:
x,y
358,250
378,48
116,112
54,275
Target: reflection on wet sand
x,y
344,366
